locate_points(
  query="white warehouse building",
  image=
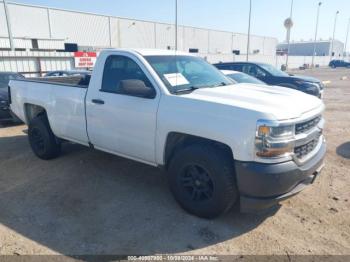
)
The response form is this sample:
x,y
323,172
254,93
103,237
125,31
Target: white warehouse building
x,y
46,30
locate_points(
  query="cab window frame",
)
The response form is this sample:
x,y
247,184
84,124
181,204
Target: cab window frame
x,y
149,83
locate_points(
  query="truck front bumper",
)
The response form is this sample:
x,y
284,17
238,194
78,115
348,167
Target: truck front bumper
x,y
262,186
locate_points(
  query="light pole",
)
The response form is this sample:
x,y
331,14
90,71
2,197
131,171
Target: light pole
x,y
176,25
248,40
289,25
8,22
346,40
335,26
317,18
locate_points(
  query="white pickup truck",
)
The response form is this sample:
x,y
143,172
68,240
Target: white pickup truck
x,y
221,143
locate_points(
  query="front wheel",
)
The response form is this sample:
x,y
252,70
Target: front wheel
x,y
202,180
43,142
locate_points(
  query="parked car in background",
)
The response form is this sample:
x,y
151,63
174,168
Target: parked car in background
x,y
255,145
5,77
273,76
81,77
59,73
240,77
339,63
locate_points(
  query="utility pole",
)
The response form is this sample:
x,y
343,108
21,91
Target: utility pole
x,y
316,31
248,40
346,40
8,22
335,26
290,22
176,25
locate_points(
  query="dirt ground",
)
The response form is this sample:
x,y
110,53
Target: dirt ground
x,y
89,202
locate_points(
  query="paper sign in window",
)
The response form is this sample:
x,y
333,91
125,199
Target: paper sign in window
x,y
176,79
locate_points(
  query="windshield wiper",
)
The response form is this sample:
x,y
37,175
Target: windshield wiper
x,y
218,85
190,89
193,88
221,84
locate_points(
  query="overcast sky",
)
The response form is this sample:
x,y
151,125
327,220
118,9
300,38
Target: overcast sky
x,y
230,15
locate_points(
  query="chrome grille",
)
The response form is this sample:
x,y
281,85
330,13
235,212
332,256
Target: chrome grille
x,y
306,126
304,150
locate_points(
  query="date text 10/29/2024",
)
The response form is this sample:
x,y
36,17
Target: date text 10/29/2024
x,y
172,258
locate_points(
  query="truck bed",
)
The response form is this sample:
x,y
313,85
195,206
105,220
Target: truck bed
x,y
75,81
63,98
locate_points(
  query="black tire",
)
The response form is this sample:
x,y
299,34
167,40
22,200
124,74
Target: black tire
x,y
210,193
41,139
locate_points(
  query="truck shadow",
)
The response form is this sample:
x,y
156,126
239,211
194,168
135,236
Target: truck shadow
x,y
344,150
89,202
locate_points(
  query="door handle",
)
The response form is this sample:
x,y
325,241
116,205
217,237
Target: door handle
x,y
98,101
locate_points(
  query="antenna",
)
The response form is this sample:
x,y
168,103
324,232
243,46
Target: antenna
x,y
249,21
176,25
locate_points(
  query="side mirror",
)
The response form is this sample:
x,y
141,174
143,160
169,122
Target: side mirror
x,y
138,88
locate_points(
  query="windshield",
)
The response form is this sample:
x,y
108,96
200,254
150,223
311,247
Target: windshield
x,y
244,78
273,70
184,73
5,79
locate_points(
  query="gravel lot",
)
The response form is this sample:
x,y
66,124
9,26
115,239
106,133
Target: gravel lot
x,y
89,202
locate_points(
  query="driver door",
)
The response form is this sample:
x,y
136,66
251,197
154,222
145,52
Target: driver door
x,y
121,123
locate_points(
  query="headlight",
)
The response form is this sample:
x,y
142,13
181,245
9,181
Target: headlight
x,y
274,140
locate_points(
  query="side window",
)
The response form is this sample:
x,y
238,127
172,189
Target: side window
x,y
260,73
221,66
253,70
236,67
119,68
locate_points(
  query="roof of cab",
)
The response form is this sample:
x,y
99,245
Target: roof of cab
x,y
149,52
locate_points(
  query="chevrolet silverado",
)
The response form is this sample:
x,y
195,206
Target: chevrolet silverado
x,y
221,143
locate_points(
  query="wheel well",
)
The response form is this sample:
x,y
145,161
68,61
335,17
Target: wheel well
x,y
176,141
32,111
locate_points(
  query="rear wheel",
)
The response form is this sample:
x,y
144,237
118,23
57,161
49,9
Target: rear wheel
x,y
43,142
202,180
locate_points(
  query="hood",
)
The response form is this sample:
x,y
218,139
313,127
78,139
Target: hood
x,y
278,102
305,78
4,94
